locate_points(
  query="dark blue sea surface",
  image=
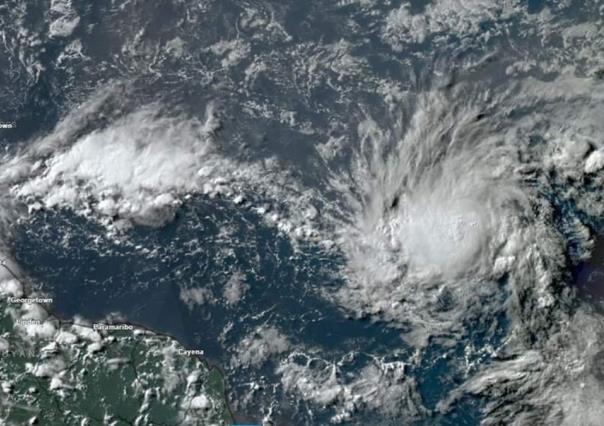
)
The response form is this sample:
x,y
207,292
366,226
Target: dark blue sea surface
x,y
91,275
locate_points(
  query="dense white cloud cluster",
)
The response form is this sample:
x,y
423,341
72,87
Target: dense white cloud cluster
x,y
380,385
453,219
138,168
64,19
436,214
445,18
123,168
450,205
255,349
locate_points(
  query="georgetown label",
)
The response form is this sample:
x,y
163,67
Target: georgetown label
x,y
47,300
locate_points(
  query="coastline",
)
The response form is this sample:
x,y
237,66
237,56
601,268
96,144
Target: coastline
x,y
26,293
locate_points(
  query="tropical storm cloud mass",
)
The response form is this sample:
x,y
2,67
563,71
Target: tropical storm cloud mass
x,y
365,212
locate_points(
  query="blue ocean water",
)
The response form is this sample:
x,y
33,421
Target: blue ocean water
x,y
91,275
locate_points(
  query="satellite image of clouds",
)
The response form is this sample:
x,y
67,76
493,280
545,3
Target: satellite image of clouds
x,y
291,213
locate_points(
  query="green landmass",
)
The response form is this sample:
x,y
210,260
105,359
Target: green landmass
x,y
58,373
